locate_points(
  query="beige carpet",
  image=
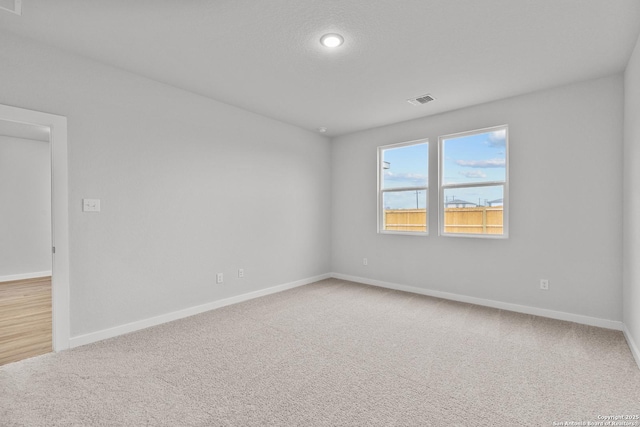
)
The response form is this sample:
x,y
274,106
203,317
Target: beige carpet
x,y
332,353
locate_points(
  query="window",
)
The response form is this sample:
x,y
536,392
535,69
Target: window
x,y
474,173
403,187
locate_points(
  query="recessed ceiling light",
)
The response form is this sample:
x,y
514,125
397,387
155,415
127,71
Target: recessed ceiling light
x,y
322,129
331,40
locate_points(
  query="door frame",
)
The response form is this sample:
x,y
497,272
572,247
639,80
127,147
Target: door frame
x,y
59,215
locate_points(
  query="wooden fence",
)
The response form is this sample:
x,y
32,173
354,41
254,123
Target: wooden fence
x,y
405,219
476,220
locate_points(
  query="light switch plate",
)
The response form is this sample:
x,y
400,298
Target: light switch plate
x,y
90,205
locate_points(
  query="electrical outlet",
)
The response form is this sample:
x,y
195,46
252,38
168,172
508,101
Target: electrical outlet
x,y
219,278
544,284
240,273
365,261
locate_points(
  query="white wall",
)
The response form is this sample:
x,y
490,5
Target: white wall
x,y
189,187
631,290
25,206
565,211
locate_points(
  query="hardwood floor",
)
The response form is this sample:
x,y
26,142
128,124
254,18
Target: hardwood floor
x,y
25,319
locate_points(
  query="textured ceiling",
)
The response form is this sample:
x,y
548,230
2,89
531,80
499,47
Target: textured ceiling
x,y
265,56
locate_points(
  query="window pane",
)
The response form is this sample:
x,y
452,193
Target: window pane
x,y
404,210
474,210
475,158
405,166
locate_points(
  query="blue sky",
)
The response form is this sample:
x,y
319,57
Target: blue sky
x,y
468,159
475,159
408,167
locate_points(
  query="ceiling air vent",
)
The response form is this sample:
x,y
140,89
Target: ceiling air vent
x,y
13,6
421,100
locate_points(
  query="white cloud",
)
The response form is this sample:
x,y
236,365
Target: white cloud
x,y
473,174
491,163
405,176
497,138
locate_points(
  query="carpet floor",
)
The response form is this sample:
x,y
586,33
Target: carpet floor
x,y
333,353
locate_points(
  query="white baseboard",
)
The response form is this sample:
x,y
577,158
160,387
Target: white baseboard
x,y
25,276
180,314
635,350
559,315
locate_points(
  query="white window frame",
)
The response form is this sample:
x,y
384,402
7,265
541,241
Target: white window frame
x,y
505,184
381,191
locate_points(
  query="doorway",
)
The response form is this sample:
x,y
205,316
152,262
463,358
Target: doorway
x,y
26,125
25,241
